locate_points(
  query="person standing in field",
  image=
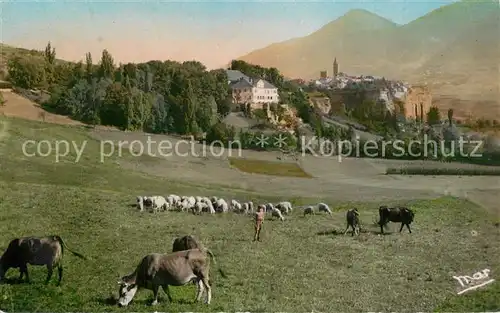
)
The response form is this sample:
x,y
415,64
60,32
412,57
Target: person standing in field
x,y
259,219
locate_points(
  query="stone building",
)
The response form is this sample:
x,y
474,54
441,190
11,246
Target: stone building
x,y
418,100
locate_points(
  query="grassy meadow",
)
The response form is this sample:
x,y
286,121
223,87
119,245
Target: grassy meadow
x,y
269,168
302,264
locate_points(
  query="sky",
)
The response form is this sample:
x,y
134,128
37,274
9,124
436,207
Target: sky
x,y
212,32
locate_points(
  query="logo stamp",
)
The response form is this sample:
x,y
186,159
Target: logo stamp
x,y
477,280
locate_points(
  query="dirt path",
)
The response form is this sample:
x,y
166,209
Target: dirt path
x,y
18,106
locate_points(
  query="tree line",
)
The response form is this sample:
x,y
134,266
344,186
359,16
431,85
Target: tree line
x,y
155,96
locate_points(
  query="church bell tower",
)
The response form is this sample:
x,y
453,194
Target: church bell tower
x,y
335,68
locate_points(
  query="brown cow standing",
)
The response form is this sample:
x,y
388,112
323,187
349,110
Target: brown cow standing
x,y
46,251
162,270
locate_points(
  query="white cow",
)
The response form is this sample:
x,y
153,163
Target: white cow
x,y
323,207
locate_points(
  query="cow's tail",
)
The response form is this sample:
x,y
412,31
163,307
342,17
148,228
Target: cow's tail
x,y
63,244
212,256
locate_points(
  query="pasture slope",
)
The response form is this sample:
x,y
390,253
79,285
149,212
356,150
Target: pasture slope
x,y
301,265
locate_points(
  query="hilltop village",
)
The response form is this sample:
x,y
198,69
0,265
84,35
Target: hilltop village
x,y
337,94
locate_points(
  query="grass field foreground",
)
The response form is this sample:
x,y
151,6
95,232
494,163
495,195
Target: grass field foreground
x,y
301,265
271,168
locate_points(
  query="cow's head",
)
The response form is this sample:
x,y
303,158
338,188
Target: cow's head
x,y
126,291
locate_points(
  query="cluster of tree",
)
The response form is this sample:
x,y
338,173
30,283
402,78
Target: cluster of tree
x,y
482,124
155,96
267,140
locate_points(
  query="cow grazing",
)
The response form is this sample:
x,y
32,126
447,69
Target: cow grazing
x,y
352,217
46,251
401,215
186,243
162,270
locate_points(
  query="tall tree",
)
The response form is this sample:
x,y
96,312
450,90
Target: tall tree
x,y
450,116
421,112
89,66
433,116
106,66
50,54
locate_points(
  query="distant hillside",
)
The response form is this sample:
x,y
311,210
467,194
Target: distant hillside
x,y
8,52
454,49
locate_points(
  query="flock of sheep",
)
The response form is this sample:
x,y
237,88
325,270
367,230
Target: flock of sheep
x,y
198,205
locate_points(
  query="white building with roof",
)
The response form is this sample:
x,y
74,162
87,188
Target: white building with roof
x,y
253,91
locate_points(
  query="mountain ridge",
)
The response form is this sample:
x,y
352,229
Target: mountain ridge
x,y
408,52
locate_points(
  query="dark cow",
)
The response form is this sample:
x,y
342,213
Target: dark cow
x,y
185,243
162,270
401,215
46,251
352,217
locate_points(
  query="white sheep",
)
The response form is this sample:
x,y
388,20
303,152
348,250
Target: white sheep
x,y
323,207
173,199
308,210
235,206
156,203
140,203
245,208
285,207
277,213
185,205
269,207
250,206
221,206
213,199
206,200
